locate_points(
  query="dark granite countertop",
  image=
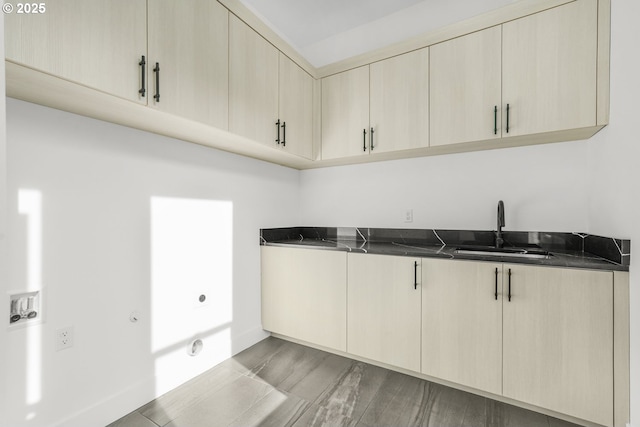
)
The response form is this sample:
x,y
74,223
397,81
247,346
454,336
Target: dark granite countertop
x,y
571,250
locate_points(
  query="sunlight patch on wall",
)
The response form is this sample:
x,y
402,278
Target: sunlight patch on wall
x,y
34,365
30,205
174,366
191,281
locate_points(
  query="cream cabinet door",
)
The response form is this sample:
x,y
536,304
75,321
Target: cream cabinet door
x,y
400,102
97,43
466,88
549,69
558,340
304,295
253,84
383,309
296,108
345,114
462,322
189,41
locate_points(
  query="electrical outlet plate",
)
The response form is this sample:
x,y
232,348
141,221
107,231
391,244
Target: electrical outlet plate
x,y
64,338
408,215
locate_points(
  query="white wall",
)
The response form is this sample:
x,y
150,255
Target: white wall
x,y
613,167
543,188
107,220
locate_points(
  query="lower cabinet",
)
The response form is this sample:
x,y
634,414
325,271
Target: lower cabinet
x,y
558,340
304,295
383,309
535,334
539,335
462,322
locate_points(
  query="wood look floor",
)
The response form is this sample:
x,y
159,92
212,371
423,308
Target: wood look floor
x,y
278,383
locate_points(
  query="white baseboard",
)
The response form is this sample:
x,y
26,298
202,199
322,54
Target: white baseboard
x,y
120,404
247,339
113,407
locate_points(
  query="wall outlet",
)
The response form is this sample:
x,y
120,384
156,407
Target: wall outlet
x,y
408,215
64,338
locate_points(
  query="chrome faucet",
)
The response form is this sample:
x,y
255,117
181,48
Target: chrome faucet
x,y
499,239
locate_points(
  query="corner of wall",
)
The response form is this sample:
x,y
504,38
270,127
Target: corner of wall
x,y
3,218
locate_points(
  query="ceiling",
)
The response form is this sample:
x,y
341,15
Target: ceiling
x,y
327,31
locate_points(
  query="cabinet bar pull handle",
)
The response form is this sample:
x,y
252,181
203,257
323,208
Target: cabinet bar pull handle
x,y
496,292
507,118
371,140
509,284
415,275
284,134
143,66
157,71
495,120
364,140
278,130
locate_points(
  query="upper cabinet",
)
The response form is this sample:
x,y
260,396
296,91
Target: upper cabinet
x,y
400,102
549,69
99,44
188,40
466,90
379,108
523,74
170,55
345,114
270,96
295,108
253,84
529,76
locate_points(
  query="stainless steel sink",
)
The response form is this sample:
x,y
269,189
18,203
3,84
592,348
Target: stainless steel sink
x,y
504,252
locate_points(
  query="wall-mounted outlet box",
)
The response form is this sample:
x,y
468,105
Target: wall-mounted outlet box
x,y
64,338
24,307
408,215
